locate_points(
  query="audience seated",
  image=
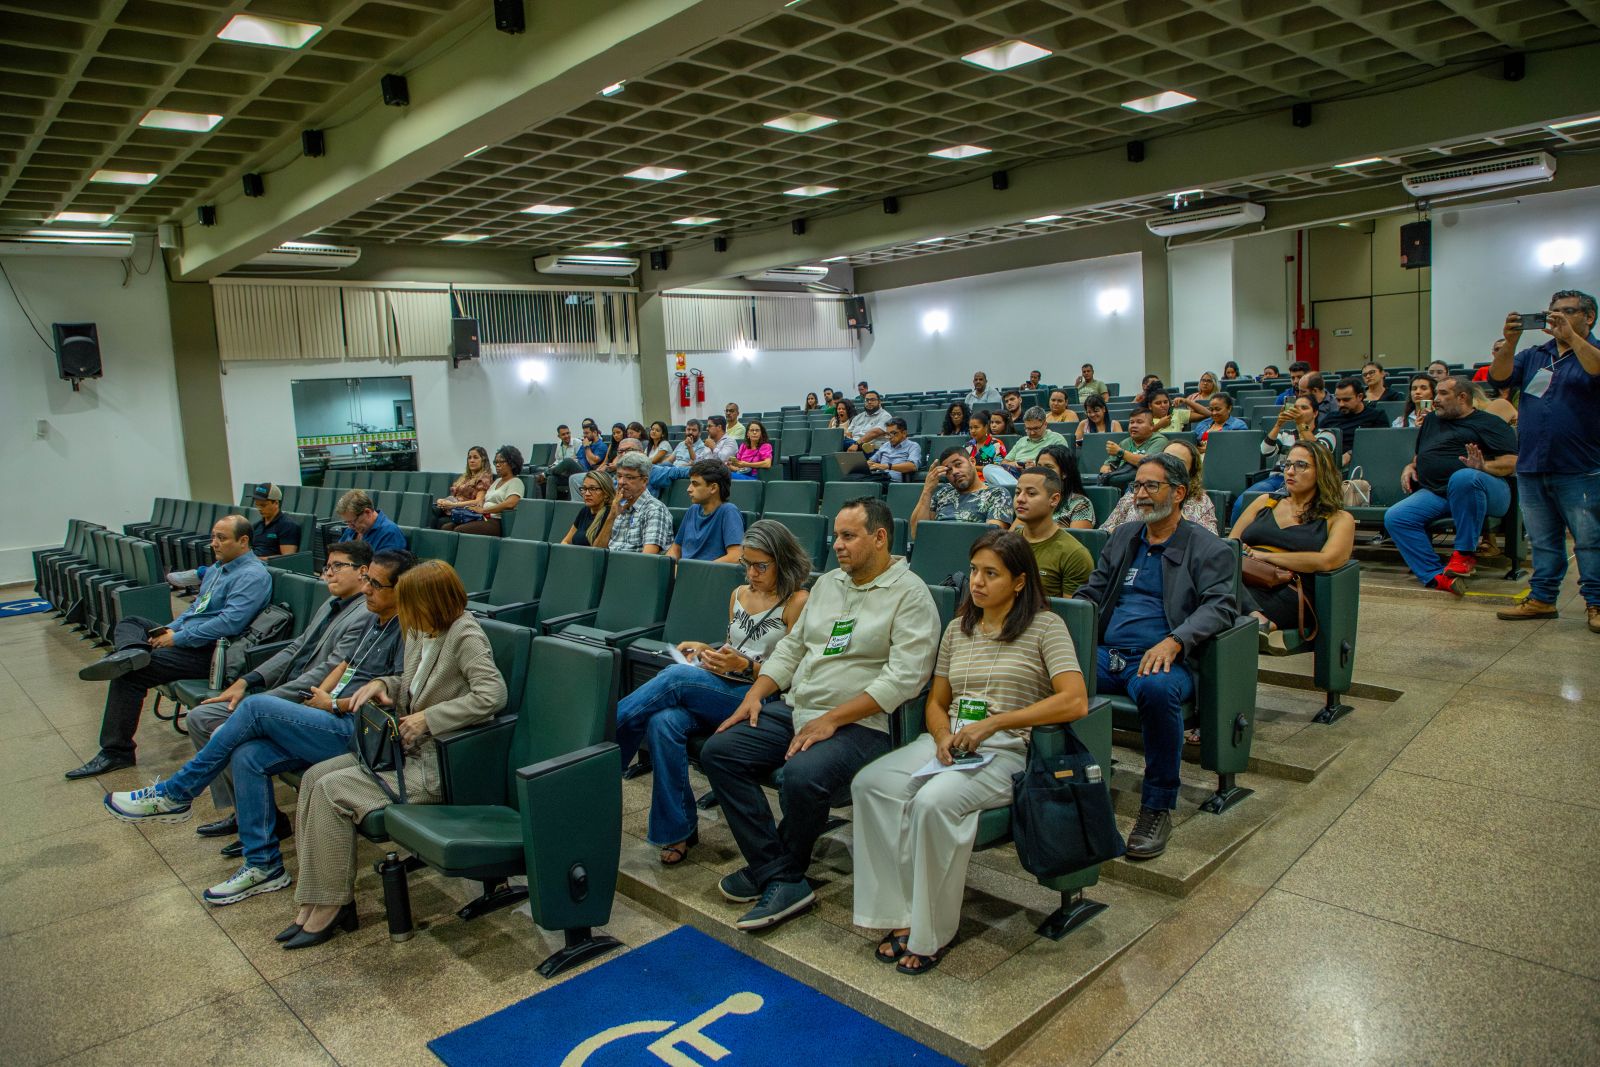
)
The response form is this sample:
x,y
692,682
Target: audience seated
x,y
364,522
1000,424
1096,419
1197,506
1313,387
698,696
271,734
1153,618
1463,458
1498,406
1088,385
1006,664
1076,510
1032,384
894,461
1419,402
504,495
1059,413
957,419
658,443
685,454
1126,455
712,529
1221,417
638,522
449,682
1438,370
1011,405
953,490
811,403
148,653
723,445
843,412
273,534
1354,414
591,527
868,429
1164,414
734,427
1294,423
563,463
591,457
1305,529
755,454
982,445
1036,438
1230,371
1297,370
1199,404
864,646
983,395
1376,388
467,491
1063,563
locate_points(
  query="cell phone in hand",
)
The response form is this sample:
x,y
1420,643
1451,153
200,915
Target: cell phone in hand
x,y
964,757
1534,320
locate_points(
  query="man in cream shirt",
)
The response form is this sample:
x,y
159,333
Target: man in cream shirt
x,y
864,644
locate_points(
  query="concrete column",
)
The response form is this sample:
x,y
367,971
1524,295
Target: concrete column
x,y
198,367
655,391
1157,308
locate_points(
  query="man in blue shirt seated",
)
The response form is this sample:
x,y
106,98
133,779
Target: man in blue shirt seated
x,y
1222,418
892,462
685,454
364,522
1164,586
712,529
149,654
590,456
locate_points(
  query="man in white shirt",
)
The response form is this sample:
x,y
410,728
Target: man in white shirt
x,y
724,446
982,395
870,427
688,452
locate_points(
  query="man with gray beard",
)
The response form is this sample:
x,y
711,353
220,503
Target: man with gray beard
x,y
1164,586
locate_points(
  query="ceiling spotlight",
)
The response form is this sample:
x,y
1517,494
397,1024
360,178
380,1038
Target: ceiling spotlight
x,y
1113,301
274,33
1158,101
81,216
187,121
810,190
1006,55
1361,162
695,220
547,209
935,321
800,122
464,238
122,177
613,89
655,174
960,151
1045,218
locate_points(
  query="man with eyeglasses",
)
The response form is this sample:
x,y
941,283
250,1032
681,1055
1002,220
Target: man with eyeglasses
x,y
268,735
638,522
1164,586
1558,464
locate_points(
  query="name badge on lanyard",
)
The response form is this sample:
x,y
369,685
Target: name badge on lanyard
x,y
970,711
839,640
1539,384
200,605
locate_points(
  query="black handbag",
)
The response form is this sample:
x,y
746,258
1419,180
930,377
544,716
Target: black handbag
x,y
378,747
1061,815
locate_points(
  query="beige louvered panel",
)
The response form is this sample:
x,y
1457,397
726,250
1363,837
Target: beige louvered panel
x,y
421,321
704,323
784,322
256,322
320,319
369,328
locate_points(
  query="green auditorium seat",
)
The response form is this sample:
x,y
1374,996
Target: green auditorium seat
x,y
476,555
937,444
1094,540
902,497
633,602
1092,451
518,577
945,601
1336,598
1381,454
836,494
572,582
1231,456
1222,505
941,548
791,497
434,544
415,510
531,520
812,532
562,512
697,611
1104,498
747,495
678,494
536,793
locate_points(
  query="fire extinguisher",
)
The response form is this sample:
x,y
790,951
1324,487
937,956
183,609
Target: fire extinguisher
x,y
699,384
683,388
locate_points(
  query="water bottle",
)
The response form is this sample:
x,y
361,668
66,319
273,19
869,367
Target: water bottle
x,y
219,665
396,897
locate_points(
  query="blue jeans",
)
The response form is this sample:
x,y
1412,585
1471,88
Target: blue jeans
x,y
662,475
1553,505
681,700
265,735
1270,484
1160,698
1470,497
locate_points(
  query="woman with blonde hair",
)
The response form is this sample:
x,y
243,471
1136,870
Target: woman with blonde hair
x,y
449,681
467,491
589,525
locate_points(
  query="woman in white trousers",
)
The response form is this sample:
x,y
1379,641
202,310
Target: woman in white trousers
x,y
1006,663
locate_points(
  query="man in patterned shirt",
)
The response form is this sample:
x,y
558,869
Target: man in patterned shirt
x,y
954,491
638,522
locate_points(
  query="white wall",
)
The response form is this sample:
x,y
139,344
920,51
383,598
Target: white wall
x,y
484,403
1200,294
1485,263
1263,302
765,381
1008,324
107,450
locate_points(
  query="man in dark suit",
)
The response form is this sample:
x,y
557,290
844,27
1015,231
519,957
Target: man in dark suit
x,y
1163,586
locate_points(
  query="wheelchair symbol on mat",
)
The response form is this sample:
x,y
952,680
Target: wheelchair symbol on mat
x,y
665,1048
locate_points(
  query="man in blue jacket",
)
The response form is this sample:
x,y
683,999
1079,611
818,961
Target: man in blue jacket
x,y
149,654
365,523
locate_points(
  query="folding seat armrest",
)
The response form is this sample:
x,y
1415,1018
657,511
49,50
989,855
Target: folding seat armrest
x,y
1225,701
295,563
149,601
1050,739
551,626
1255,476
482,594
472,761
259,654
624,638
522,613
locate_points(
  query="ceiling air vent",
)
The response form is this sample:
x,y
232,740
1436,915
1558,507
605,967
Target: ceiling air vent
x,y
1524,169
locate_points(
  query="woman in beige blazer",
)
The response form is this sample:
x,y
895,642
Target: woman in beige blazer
x,y
450,681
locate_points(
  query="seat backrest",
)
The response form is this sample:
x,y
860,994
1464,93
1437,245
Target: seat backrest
x,y
825,442
567,702
437,484
1222,507
794,440
698,610
747,495
636,591
572,581
678,494
811,531
902,498
476,555
1092,451
836,494
1382,454
414,509
362,479
539,453
1093,540
791,498
387,501
1081,619
1230,456
941,548
1104,498
533,519
301,592
511,646
435,544
519,571
938,443
944,599
562,512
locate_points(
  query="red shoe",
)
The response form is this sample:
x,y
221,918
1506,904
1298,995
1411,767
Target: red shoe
x,y
1462,564
1449,583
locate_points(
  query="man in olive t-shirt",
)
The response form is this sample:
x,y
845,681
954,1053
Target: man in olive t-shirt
x,y
1064,564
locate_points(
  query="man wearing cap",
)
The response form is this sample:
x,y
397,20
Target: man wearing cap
x,y
273,534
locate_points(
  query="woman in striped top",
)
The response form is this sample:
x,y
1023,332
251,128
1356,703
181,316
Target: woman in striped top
x,y
1006,663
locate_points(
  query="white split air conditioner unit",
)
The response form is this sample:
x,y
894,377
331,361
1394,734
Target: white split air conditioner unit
x,y
598,266
792,275
1523,169
302,257
66,243
1199,220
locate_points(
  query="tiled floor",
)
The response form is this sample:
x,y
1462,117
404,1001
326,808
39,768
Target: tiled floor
x,y
1427,896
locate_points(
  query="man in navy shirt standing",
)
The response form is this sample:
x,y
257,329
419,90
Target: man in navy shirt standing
x,y
1558,463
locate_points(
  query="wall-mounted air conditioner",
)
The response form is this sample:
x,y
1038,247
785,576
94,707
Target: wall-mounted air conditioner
x,y
1498,173
66,243
792,275
599,266
1199,220
302,257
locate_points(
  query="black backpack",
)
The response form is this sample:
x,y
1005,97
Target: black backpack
x,y
275,622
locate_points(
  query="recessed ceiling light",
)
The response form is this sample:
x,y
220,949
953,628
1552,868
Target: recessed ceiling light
x,y
547,209
1158,102
1045,218
179,120
1006,55
810,190
930,240
960,151
464,238
1574,122
606,244
836,259
1361,162
1190,192
613,89
275,33
800,122
80,216
655,174
475,151
695,220
122,177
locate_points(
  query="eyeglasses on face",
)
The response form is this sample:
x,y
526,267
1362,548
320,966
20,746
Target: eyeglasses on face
x,y
1151,488
589,489
370,580
1298,465
337,565
752,565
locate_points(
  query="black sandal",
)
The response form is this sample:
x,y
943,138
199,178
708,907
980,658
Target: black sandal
x,y
679,853
926,964
895,943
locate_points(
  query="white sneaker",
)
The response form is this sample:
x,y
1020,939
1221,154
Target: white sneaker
x,y
247,883
184,580
146,805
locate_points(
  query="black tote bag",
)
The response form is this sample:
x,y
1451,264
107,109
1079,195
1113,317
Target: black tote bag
x,y
1061,814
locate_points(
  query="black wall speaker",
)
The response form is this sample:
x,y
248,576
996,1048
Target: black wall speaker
x,y
77,351
509,16
1416,244
1300,114
1135,151
719,244
1515,67
1000,180
658,259
797,227
208,214
313,143
855,313
395,91
891,205
254,185
463,340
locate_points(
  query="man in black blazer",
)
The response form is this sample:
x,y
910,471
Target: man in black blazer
x,y
1164,586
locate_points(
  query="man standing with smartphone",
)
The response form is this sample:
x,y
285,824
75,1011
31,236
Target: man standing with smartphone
x,y
1558,460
